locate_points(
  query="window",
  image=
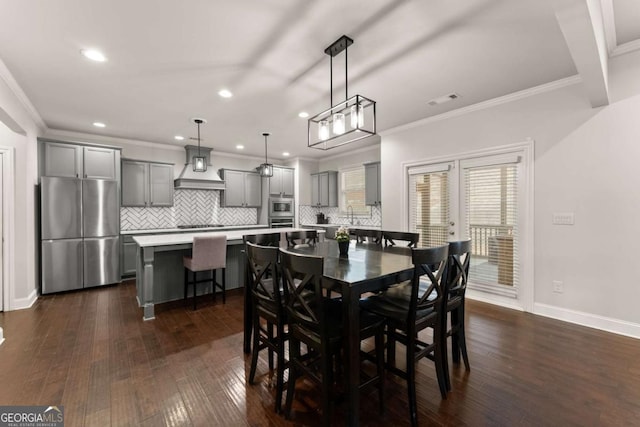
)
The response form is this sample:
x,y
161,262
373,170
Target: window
x,y
429,205
352,183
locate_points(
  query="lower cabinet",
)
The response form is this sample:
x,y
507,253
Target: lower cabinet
x,y
128,256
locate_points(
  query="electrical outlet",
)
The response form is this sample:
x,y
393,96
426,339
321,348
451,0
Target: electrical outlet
x,y
563,218
558,286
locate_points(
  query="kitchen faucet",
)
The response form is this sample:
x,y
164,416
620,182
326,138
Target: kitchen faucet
x,y
350,221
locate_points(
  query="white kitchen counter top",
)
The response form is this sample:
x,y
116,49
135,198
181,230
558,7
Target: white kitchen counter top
x,y
192,230
171,239
349,226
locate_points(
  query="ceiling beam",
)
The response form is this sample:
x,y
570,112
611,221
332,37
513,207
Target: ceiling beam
x,y
581,23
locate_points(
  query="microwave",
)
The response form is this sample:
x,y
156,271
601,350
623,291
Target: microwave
x,y
280,206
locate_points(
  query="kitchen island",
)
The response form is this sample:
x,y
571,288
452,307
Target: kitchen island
x,y
160,271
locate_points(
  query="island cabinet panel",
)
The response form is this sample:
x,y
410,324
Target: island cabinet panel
x,y
128,254
372,184
146,184
324,189
243,189
78,161
282,182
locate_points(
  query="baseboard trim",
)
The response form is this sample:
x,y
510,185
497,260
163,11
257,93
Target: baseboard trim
x,y
496,300
22,303
608,324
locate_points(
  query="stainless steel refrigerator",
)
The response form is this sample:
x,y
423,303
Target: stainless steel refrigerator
x,y
80,233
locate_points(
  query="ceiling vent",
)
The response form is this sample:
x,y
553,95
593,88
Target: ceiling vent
x,y
443,99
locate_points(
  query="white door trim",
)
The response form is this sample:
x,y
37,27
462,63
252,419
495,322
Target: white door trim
x,y
8,159
526,148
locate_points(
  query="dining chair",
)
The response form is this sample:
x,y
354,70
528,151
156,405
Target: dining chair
x,y
368,236
454,291
209,253
410,308
266,239
316,321
392,238
301,238
268,312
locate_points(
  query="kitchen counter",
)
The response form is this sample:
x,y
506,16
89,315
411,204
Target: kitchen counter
x,y
349,226
191,230
160,270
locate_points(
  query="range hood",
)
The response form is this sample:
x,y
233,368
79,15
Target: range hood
x,y
207,180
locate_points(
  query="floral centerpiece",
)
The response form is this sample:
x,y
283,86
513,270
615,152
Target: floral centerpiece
x,y
343,238
342,235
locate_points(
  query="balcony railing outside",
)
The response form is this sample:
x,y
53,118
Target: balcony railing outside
x,y
481,235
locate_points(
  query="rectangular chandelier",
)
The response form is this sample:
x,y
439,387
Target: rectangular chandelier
x,y
348,121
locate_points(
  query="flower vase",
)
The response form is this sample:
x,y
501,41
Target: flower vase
x,y
344,248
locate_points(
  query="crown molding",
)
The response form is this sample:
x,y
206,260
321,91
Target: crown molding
x,y
626,48
13,85
515,96
92,137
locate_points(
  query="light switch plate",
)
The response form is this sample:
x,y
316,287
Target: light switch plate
x,y
563,218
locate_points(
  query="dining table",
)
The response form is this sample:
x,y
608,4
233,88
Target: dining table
x,y
367,267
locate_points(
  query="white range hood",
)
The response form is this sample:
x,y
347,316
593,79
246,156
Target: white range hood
x,y
207,180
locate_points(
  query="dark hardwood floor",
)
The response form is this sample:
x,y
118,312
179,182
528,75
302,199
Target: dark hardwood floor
x,y
91,352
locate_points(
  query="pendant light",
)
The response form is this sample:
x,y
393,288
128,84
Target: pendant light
x,y
329,128
199,161
266,169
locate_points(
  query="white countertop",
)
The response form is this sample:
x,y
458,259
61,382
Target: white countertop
x,y
185,238
192,230
349,226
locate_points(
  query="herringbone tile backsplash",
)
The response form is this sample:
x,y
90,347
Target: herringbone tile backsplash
x,y
189,207
308,216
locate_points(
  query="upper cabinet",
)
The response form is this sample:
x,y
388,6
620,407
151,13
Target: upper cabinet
x,y
243,189
78,161
282,182
372,184
324,189
146,184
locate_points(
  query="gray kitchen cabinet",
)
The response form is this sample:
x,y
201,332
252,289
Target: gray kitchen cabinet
x,y
282,182
372,184
146,184
78,161
128,254
324,189
243,189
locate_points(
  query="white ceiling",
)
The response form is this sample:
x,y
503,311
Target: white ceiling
x,y
168,59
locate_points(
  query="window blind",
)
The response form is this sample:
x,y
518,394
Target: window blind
x,y
352,190
429,206
491,212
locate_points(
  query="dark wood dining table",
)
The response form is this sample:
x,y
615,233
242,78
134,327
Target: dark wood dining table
x,y
366,268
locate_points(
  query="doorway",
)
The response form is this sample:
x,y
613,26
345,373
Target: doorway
x,y
486,197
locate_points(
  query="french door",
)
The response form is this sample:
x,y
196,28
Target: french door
x,y
484,198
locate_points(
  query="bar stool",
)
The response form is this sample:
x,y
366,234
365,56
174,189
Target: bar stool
x,y
209,254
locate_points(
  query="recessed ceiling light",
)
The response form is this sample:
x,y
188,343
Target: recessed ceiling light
x,y
240,147
303,114
286,153
99,124
179,137
225,93
94,55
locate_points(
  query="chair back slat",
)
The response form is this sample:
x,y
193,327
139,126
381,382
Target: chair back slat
x,y
392,238
375,236
303,237
264,273
459,261
267,239
302,277
430,262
